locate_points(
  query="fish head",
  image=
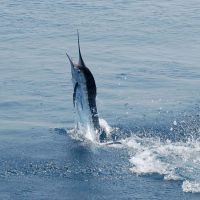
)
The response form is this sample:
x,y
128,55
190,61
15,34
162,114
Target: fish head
x,y
77,71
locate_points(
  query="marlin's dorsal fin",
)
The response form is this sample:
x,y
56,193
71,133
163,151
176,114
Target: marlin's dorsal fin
x,y
80,62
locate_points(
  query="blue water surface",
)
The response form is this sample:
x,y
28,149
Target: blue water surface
x,y
144,56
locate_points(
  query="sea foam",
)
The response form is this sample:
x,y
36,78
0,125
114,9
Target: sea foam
x,y
172,160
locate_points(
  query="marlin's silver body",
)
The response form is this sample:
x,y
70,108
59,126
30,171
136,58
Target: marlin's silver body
x,y
84,100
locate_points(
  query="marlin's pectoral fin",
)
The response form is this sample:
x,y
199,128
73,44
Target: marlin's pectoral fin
x,y
74,94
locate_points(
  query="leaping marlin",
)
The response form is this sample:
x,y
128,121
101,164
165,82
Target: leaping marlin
x,y
84,99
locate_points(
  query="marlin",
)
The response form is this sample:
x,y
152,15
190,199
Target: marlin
x,y
84,99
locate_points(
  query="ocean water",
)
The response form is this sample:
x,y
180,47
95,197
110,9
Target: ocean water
x,y
144,56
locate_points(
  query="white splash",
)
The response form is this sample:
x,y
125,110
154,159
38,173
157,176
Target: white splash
x,y
87,132
191,186
146,162
90,133
173,160
105,126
